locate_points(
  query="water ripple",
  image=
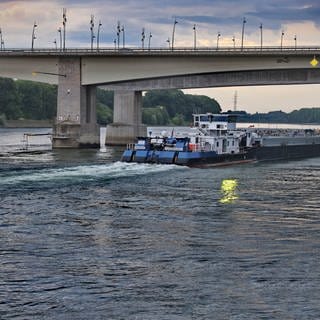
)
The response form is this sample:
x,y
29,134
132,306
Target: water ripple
x,y
126,241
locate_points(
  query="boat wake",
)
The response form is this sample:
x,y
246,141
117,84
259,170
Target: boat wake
x,y
80,173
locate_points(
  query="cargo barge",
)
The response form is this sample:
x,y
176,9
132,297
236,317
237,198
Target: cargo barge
x,y
215,140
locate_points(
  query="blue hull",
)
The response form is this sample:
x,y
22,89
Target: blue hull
x,y
208,158
185,158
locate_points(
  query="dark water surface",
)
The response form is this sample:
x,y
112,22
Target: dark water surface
x,y
83,236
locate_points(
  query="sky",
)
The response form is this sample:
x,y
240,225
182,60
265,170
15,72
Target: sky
x,y
300,18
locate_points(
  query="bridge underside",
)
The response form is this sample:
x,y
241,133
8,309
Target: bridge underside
x,y
223,79
127,108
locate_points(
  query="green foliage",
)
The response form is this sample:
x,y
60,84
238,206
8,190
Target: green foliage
x,y
178,120
105,97
32,100
155,116
9,99
304,115
38,100
2,119
178,105
104,114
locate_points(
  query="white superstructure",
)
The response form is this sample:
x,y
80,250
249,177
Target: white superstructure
x,y
218,132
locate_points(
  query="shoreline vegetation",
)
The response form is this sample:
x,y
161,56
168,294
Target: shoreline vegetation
x,y
34,104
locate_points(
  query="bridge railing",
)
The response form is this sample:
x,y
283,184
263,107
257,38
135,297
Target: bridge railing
x,y
162,50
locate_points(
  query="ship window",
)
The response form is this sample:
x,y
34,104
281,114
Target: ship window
x,y
197,140
232,142
197,118
203,118
217,143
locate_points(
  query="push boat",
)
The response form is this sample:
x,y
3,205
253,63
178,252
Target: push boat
x,y
215,140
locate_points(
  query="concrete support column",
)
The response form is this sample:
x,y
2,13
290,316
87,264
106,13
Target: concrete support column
x,y
127,118
76,124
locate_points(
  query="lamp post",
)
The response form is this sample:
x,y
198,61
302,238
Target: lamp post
x,y
168,40
98,34
242,34
33,35
281,41
64,22
115,44
91,29
295,42
149,42
234,42
60,36
143,36
1,39
261,39
173,31
218,37
55,44
118,34
194,37
123,36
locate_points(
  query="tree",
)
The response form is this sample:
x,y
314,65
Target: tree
x,y
9,99
104,114
105,97
155,116
180,106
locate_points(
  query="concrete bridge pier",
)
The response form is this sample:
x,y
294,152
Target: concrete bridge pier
x,y
127,118
76,123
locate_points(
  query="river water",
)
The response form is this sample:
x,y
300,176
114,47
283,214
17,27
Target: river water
x,y
84,236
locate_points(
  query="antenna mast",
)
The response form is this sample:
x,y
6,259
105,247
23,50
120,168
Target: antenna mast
x,y
235,100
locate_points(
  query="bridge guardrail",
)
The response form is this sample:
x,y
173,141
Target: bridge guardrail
x,y
164,51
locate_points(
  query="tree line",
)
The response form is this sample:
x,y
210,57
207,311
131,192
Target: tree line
x,y
37,101
301,116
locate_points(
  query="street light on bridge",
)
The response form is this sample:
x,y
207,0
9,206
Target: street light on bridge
x,y
60,36
281,41
118,34
173,31
234,42
149,42
261,39
242,34
33,35
1,40
218,37
64,22
194,37
295,42
55,44
143,36
92,31
168,40
123,36
98,34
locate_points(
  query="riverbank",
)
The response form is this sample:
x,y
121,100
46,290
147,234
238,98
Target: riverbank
x,y
26,124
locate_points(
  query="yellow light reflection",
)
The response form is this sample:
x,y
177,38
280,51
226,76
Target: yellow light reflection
x,y
229,191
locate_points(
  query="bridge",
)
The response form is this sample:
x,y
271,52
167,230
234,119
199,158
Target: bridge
x,y
129,71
